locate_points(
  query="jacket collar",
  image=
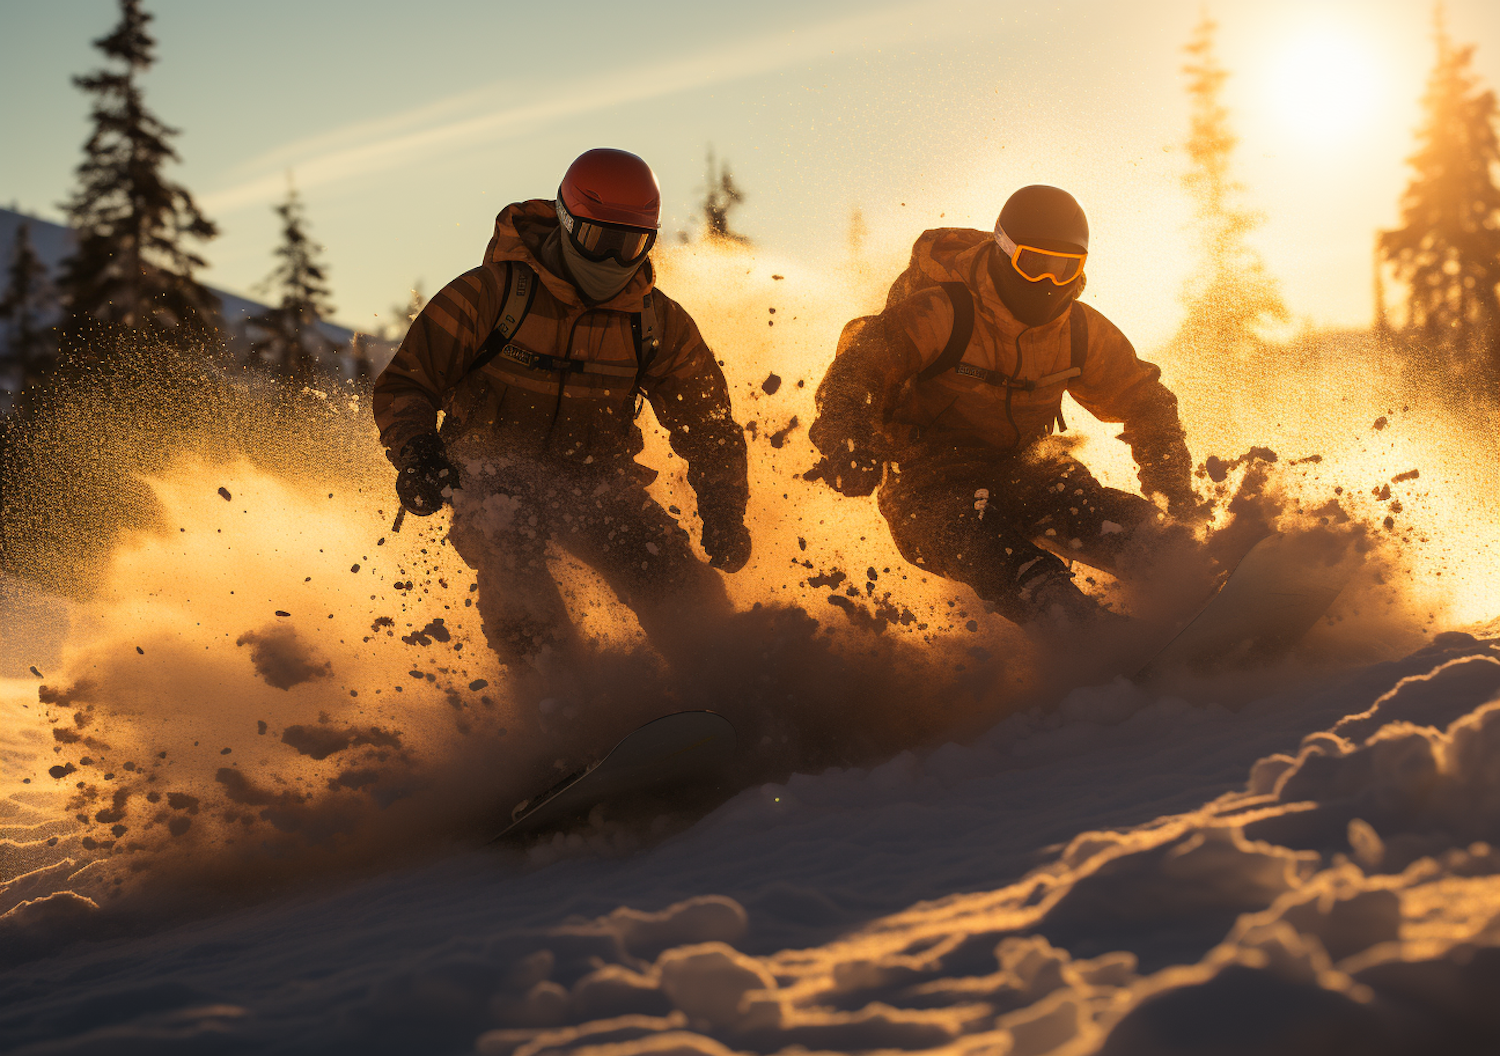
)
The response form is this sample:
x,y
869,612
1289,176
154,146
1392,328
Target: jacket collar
x,y
520,230
973,266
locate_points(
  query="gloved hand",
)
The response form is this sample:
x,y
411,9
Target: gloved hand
x,y
727,541
857,475
423,474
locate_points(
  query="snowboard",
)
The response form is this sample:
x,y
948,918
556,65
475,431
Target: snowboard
x,y
674,752
1274,596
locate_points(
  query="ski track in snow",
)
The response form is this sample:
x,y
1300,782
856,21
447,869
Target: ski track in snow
x,y
944,903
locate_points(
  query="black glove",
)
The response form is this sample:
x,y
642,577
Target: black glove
x,y
856,475
727,542
423,474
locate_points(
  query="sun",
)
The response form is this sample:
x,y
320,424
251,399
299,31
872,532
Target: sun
x,y
1325,85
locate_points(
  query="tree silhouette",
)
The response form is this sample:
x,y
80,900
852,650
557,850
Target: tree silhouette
x,y
132,267
291,343
723,196
1230,298
27,300
1447,249
858,232
402,316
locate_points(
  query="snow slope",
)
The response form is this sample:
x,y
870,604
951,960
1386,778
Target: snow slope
x,y
1127,874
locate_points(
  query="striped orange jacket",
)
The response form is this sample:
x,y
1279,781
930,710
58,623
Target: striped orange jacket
x,y
583,420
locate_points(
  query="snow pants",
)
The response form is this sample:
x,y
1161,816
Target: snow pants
x,y
508,512
979,521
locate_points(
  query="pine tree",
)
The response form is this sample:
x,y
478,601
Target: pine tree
x,y
292,343
1447,249
28,352
132,267
722,197
1231,298
402,316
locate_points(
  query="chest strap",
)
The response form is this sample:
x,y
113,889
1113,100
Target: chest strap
x,y
521,284
995,377
539,361
951,357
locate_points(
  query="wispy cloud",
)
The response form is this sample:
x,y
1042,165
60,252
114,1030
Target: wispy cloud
x,y
450,124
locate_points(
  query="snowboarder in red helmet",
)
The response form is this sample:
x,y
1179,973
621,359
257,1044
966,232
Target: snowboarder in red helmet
x,y
541,358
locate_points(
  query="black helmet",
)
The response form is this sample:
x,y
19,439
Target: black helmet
x,y
1045,217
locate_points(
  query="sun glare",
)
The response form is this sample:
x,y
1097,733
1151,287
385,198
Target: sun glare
x,y
1325,85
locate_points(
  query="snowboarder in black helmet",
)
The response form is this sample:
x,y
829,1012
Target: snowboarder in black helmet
x,y
944,401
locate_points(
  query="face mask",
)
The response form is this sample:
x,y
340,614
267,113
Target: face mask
x,y
1033,303
598,281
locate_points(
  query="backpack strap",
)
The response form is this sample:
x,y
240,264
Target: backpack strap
x,y
1078,336
1078,350
644,328
520,293
963,328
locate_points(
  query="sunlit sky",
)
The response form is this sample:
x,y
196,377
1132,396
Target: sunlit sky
x,y
407,126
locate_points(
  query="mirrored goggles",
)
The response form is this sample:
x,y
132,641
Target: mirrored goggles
x,y
599,241
1038,264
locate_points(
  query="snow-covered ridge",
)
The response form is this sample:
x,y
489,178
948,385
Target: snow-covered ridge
x,y
54,243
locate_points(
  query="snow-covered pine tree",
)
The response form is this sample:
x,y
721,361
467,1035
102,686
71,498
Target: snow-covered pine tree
x,y
28,351
291,343
1231,298
132,267
1447,249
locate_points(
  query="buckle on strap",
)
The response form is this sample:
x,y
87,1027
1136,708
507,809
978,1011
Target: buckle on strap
x,y
539,360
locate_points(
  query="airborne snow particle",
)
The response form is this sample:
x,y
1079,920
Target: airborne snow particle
x,y
355,568
478,684
771,384
37,673
281,612
140,650
224,494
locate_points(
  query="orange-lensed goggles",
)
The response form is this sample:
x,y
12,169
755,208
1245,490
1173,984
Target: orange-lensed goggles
x,y
599,241
1038,264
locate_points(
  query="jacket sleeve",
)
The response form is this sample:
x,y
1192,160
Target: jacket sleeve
x,y
877,355
1118,386
435,355
688,392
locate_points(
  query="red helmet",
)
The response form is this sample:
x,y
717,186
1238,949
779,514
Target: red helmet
x,y
614,186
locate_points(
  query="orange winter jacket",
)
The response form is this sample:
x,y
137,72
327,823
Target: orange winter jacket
x,y
584,421
871,397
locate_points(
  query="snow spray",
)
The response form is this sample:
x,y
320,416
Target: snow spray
x,y
254,681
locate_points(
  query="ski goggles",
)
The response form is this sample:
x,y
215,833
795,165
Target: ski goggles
x,y
599,241
1038,264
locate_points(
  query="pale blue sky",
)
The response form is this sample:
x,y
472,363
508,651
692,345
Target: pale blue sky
x,y
407,126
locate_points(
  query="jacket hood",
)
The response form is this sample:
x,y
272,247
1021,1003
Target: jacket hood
x,y
522,228
961,254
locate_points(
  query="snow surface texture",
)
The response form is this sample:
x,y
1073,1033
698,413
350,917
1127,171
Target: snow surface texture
x,y
1343,898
